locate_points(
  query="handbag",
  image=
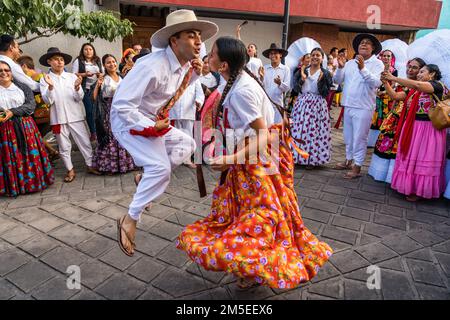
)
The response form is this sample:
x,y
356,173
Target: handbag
x,y
42,112
439,114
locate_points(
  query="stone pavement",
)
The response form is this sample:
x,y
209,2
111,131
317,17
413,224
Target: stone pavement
x,y
365,222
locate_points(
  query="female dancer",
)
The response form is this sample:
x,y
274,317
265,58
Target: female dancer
x,y
254,229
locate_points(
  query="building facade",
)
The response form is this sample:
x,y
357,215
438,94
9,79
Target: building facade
x,y
332,23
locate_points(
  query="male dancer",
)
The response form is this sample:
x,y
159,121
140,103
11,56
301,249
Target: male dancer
x,y
140,109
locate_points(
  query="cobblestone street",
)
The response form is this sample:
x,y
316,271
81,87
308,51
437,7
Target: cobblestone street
x,y
365,222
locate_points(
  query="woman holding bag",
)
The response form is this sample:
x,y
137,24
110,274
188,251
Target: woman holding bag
x,y
420,162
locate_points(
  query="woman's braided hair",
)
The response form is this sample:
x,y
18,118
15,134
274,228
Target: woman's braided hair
x,y
233,52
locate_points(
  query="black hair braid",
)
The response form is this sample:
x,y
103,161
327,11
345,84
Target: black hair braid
x,y
226,90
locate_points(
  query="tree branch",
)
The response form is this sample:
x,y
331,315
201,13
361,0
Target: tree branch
x,y
42,35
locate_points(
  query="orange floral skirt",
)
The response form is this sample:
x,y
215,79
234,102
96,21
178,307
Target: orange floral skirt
x,y
255,230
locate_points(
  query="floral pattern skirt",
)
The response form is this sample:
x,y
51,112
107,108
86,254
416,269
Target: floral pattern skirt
x,y
111,157
310,122
255,230
23,170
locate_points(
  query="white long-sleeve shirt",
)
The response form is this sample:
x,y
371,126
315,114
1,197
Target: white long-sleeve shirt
x,y
153,80
19,75
65,102
360,86
275,91
184,108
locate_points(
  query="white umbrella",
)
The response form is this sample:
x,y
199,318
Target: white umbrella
x,y
400,50
297,50
434,48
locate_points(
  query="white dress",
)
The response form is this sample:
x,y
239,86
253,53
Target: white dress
x,y
310,122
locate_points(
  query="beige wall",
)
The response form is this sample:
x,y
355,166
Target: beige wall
x,y
258,32
71,45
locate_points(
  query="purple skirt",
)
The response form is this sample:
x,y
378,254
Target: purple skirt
x,y
111,157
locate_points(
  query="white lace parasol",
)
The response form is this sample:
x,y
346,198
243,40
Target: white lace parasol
x,y
297,50
434,48
400,50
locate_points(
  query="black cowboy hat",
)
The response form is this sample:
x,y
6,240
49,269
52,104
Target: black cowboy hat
x,y
144,52
275,47
51,52
376,43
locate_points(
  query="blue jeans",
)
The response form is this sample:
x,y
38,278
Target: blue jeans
x,y
89,107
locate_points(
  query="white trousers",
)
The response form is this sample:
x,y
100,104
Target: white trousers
x,y
158,156
80,134
187,126
356,131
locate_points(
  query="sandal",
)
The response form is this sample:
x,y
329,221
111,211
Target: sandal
x,y
93,171
119,237
412,198
352,175
70,177
344,166
245,284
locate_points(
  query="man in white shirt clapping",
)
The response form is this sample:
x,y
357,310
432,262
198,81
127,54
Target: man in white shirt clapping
x,y
62,91
277,77
361,77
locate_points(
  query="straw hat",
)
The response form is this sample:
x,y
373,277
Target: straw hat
x,y
182,20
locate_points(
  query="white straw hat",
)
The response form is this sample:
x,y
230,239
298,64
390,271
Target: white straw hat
x,y
182,20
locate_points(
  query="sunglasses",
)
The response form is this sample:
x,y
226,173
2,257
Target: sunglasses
x,y
5,70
